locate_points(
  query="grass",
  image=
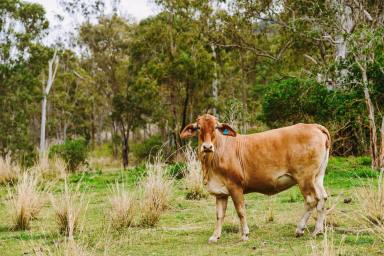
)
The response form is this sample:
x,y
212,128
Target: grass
x,y
123,207
185,226
8,171
193,176
68,206
157,189
25,201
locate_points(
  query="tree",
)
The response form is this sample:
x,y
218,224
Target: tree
x,y
22,59
53,64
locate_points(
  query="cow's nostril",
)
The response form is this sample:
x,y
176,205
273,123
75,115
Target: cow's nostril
x,y
207,147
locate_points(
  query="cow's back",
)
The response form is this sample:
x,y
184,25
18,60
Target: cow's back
x,y
288,151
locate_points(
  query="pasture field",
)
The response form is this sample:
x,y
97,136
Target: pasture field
x,y
186,225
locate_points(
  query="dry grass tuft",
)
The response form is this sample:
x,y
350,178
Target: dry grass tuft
x,y
157,192
371,213
68,207
327,246
50,168
68,247
123,209
270,214
9,172
25,201
193,176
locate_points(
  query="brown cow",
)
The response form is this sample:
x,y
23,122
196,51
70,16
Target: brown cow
x,y
267,162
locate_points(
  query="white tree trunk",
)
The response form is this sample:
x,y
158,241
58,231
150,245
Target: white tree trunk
x,y
43,121
215,81
346,24
51,77
372,124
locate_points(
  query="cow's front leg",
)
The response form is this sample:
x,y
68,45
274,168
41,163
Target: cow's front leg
x,y
238,200
221,207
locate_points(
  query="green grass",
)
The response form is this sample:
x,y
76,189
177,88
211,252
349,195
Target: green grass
x,y
184,229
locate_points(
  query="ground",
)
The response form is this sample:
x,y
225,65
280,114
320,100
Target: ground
x,y
185,227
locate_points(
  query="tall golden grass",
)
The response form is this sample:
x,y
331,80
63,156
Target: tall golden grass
x,y
25,201
9,171
371,210
50,168
193,175
67,207
157,189
328,245
123,207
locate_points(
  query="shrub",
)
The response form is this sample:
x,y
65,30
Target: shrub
x,y
25,201
156,195
9,171
122,210
148,147
342,110
193,175
74,152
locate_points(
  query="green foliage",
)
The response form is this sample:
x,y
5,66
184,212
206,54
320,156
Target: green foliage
x,y
19,82
295,100
147,148
74,152
177,170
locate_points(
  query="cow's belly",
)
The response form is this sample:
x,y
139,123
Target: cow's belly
x,y
270,184
216,186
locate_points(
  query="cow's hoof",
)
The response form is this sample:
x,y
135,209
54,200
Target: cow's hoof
x,y
299,232
213,239
317,232
245,237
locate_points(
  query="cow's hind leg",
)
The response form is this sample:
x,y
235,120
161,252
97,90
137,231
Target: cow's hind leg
x,y
308,189
322,195
221,207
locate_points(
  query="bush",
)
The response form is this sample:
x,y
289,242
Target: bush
x,y
341,110
74,152
148,147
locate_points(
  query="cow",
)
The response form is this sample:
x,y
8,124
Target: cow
x,y
267,162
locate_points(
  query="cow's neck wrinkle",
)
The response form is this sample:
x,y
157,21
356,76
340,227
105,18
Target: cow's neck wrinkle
x,y
210,162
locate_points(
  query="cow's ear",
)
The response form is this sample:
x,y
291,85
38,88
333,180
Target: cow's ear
x,y
189,131
227,130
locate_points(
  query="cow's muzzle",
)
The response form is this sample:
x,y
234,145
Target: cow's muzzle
x,y
207,147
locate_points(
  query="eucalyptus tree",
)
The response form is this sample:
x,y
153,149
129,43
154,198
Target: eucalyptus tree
x,y
22,59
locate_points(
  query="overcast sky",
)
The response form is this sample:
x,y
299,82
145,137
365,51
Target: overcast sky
x,y
138,9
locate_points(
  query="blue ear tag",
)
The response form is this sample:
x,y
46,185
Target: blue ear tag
x,y
225,132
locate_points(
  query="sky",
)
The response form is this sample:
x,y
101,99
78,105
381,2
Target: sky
x,y
136,9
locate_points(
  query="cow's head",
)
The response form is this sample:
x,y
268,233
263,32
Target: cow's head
x,y
205,127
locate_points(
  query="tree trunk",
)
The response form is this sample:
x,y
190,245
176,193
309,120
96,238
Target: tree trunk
x,y
51,77
372,124
43,121
125,148
185,108
215,81
382,146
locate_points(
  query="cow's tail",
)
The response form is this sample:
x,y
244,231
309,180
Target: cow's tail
x,y
326,132
324,163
